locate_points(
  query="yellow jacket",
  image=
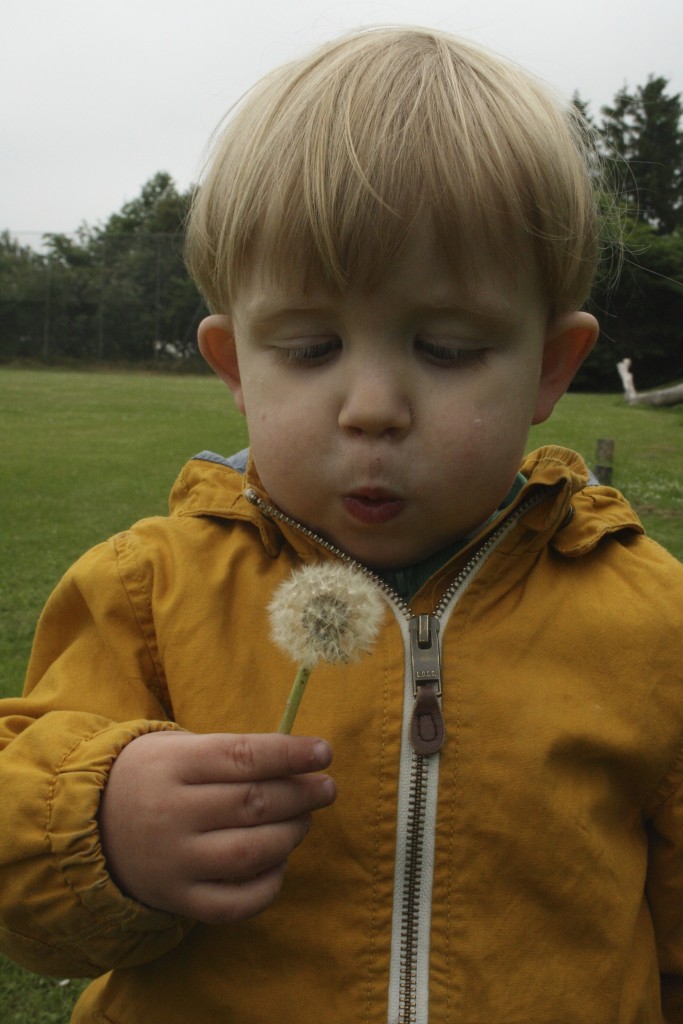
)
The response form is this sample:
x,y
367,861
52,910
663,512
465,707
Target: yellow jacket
x,y
531,872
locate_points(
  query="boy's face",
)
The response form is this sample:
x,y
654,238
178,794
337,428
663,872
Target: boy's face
x,y
392,422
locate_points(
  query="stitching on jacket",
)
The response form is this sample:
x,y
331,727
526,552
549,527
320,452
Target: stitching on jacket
x,y
451,836
666,788
66,882
158,684
457,630
373,921
125,914
554,460
30,940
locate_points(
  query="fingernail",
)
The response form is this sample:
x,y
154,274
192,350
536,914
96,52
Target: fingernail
x,y
322,753
328,787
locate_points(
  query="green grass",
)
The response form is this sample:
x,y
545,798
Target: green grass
x,y
83,455
29,999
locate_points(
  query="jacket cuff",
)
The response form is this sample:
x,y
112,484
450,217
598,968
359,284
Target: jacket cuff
x,y
84,925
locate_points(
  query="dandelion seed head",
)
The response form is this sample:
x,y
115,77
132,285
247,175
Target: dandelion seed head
x,y
326,612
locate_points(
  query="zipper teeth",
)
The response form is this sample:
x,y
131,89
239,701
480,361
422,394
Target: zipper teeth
x,y
411,893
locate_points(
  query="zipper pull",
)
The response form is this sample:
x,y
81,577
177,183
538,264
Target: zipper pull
x,y
427,729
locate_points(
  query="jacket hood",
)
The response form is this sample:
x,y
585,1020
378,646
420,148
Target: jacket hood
x,y
591,511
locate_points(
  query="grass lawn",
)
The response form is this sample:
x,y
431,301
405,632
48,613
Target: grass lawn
x,y
83,455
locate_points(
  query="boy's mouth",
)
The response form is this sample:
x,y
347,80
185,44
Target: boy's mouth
x,y
373,505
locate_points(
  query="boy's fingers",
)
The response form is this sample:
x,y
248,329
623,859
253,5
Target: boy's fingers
x,y
242,854
218,806
228,903
223,757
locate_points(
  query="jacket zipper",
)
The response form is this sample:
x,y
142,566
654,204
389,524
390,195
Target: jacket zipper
x,y
419,779
423,737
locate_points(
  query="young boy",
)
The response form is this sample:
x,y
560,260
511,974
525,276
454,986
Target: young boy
x,y
396,237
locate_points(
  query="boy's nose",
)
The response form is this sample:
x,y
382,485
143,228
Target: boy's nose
x,y
375,405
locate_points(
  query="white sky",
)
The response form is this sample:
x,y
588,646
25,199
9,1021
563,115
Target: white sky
x,y
99,95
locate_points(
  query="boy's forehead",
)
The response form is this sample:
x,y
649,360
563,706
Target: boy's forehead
x,y
471,250
422,275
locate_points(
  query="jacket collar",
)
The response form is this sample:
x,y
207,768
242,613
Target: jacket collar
x,y
581,512
574,519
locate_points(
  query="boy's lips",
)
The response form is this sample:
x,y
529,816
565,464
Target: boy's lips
x,y
373,505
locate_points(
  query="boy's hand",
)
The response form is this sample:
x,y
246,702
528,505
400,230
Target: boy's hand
x,y
202,826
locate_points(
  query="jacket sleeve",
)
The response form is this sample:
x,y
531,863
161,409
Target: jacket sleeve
x,y
94,684
665,891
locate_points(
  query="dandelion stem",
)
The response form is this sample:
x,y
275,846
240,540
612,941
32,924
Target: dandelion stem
x,y
294,699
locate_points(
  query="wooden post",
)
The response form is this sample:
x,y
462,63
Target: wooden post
x,y
604,456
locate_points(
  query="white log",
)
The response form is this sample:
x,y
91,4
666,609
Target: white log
x,y
624,368
662,396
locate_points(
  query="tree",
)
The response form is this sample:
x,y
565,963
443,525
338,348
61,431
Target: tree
x,y
23,289
115,291
641,315
149,297
159,209
643,128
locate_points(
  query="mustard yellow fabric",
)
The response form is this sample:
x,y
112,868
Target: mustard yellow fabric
x,y
558,886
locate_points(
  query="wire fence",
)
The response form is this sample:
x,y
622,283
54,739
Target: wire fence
x,y
118,297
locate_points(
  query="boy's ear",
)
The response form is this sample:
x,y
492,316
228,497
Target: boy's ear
x,y
568,341
216,338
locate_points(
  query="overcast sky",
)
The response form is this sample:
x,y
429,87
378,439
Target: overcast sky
x,y
99,95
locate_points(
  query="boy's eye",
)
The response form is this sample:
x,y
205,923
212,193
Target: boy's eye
x,y
311,353
450,355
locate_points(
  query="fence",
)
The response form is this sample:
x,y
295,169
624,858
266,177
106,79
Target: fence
x,y
118,297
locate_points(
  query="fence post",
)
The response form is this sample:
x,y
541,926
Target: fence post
x,y
100,308
48,303
604,457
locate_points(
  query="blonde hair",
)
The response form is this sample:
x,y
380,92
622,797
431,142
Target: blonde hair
x,y
328,162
